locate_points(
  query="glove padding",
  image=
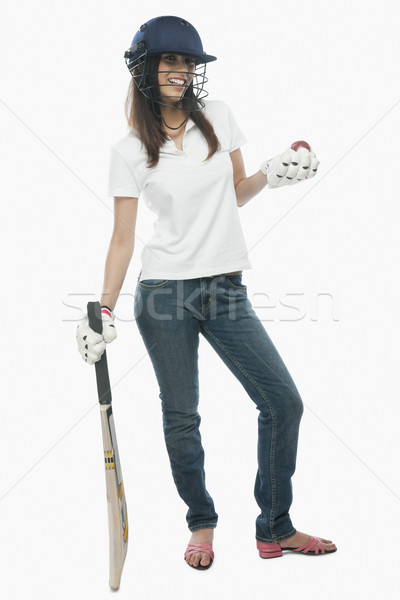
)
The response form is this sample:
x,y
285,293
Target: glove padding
x,y
91,345
290,167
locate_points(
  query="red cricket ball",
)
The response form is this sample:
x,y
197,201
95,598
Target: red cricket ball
x,y
296,145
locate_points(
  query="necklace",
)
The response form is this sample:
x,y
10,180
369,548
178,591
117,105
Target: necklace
x,y
174,127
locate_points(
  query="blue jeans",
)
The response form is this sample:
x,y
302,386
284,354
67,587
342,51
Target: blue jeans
x,y
170,314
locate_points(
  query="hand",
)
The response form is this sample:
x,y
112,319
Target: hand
x,y
290,167
91,345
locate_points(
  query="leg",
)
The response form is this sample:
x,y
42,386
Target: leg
x,y
171,338
235,332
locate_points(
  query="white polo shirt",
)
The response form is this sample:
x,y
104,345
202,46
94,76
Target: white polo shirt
x,y
197,232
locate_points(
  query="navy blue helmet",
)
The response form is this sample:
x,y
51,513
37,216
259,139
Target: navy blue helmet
x,y
161,35
167,34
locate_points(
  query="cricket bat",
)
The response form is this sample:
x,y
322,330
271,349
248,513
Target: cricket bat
x,y
116,501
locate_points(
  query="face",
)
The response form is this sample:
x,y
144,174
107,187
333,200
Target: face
x,y
175,74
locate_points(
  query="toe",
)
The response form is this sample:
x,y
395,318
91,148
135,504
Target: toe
x,y
205,560
330,546
195,560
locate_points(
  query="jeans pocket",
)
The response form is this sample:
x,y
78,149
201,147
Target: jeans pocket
x,y
235,281
151,284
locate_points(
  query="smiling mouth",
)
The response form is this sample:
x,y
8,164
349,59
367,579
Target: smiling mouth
x,y
177,81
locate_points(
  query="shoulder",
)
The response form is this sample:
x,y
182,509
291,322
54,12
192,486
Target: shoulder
x,y
128,146
216,109
219,114
224,123
221,117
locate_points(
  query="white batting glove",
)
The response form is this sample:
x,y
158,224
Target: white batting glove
x,y
290,167
91,345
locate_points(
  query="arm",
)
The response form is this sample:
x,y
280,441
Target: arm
x,y
120,250
246,187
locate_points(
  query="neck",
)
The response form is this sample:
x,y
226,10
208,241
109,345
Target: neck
x,y
172,116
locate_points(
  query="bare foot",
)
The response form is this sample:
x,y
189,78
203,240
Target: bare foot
x,y
299,539
200,537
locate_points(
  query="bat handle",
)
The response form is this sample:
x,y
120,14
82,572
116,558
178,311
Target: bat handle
x,y
102,377
94,316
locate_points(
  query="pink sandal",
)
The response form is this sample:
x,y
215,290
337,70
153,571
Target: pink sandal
x,y
312,547
205,547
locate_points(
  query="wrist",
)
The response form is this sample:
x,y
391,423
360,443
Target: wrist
x,y
264,167
106,310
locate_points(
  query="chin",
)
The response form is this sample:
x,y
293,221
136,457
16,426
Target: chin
x,y
172,100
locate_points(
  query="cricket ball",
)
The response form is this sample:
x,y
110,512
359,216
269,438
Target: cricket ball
x,y
296,145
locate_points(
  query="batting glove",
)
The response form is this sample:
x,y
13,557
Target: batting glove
x,y
91,345
290,167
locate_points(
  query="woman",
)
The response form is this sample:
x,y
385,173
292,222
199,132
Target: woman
x,y
182,154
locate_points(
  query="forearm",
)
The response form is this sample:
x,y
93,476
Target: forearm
x,y
117,262
248,187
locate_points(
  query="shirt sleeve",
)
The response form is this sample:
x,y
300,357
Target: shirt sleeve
x,y
121,178
237,137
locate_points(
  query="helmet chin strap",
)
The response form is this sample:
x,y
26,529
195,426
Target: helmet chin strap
x,y
174,127
157,111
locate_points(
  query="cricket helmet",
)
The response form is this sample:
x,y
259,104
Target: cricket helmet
x,y
161,35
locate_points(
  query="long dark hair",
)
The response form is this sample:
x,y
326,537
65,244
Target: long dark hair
x,y
144,115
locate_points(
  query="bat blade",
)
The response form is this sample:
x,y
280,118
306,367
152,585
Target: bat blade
x,y
116,501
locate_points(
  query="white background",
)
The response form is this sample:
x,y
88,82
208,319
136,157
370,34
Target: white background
x,y
322,71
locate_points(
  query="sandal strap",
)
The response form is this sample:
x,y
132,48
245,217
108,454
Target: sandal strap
x,y
314,543
205,547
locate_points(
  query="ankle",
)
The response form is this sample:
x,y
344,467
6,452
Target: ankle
x,y
203,534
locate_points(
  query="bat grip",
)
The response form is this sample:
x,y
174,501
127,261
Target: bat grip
x,y
102,377
94,316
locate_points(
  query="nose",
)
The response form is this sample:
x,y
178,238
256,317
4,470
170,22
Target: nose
x,y
182,66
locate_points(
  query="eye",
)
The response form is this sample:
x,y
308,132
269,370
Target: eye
x,y
169,57
189,60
